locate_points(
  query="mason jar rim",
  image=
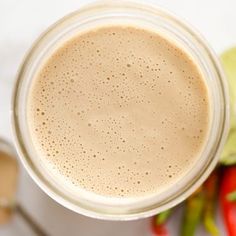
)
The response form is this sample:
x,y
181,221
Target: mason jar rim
x,y
87,14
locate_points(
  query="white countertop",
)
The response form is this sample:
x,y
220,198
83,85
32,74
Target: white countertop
x,y
20,24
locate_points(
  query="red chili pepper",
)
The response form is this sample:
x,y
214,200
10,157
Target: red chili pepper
x,y
159,230
228,207
159,223
210,188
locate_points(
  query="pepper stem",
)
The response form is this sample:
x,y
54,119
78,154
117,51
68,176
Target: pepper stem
x,y
231,196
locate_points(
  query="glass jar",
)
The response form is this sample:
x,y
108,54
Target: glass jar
x,y
156,19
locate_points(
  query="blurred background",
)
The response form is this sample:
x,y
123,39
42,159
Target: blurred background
x,y
21,22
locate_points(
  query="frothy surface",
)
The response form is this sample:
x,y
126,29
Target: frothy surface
x,y
119,111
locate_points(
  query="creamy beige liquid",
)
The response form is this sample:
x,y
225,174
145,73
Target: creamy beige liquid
x,y
8,181
119,111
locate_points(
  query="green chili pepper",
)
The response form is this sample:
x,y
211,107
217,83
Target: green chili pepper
x,y
193,212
